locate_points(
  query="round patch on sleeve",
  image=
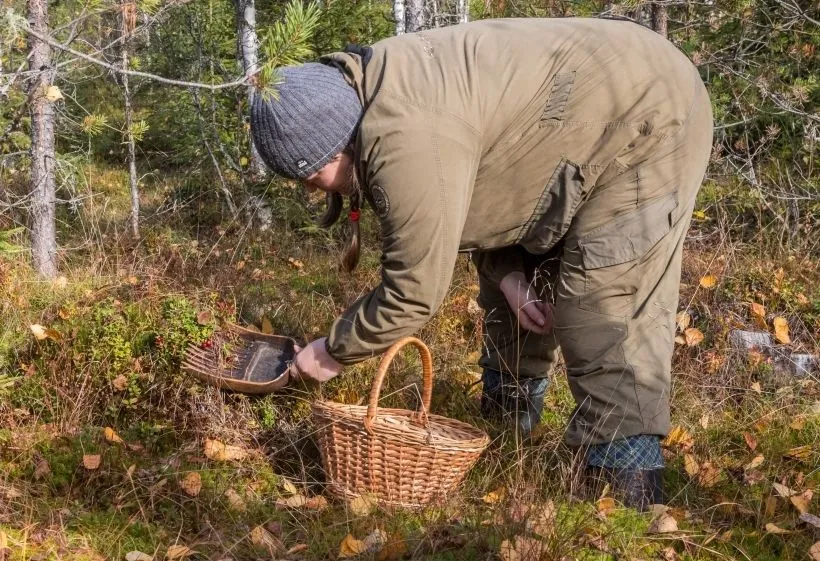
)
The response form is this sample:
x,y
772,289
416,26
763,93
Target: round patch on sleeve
x,y
380,201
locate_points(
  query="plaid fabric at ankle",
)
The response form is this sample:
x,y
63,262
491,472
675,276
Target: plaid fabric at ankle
x,y
641,451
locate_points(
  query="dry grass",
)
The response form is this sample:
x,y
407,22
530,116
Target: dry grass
x,y
190,257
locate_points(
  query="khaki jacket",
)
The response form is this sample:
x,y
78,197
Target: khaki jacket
x,y
491,134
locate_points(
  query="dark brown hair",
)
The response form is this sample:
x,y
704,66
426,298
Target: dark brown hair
x,y
335,204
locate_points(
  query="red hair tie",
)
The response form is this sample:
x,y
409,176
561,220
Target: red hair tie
x,y
354,215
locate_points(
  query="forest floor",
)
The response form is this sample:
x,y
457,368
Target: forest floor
x,y
108,450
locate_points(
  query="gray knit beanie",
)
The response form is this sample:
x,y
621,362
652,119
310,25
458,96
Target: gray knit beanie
x,y
311,119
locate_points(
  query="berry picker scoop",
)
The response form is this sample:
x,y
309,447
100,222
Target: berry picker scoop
x,y
242,360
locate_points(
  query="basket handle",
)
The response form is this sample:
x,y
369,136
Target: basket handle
x,y
427,383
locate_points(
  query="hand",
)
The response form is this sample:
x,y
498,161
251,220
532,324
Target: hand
x,y
315,363
533,314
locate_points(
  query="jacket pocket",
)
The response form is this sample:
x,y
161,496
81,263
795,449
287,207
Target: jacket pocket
x,y
555,209
629,237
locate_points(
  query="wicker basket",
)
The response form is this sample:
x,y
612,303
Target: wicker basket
x,y
400,457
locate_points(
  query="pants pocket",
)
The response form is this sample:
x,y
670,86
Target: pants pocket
x,y
554,211
608,259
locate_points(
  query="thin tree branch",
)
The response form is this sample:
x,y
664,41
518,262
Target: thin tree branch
x,y
795,9
181,83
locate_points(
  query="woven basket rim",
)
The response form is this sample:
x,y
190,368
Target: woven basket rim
x,y
353,416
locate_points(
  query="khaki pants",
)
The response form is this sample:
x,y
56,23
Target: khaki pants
x,y
614,280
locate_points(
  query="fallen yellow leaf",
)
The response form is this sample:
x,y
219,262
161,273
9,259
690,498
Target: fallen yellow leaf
x,y
775,529
91,461
178,552
782,490
693,336
781,330
605,505
363,505
40,333
316,503
709,474
192,483
679,437
138,556
756,387
261,538
690,464
204,317
112,436
708,281
758,314
755,463
494,497
680,339
351,547
300,501
814,551
267,327
798,423
800,453
802,501
293,501
289,487
298,548
221,452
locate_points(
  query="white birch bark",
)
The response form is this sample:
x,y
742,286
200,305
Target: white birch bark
x,y
399,16
463,11
414,15
249,53
42,219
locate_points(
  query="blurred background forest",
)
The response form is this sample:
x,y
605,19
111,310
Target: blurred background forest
x,y
135,217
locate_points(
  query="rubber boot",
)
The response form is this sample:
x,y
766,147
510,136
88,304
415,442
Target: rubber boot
x,y
636,488
515,401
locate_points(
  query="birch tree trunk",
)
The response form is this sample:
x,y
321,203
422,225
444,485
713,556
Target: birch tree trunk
x,y
659,18
414,20
128,13
399,16
463,11
43,228
249,53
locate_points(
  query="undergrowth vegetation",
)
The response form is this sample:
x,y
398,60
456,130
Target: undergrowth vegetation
x,y
109,451
107,448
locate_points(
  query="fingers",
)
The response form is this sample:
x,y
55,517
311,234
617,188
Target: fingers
x,y
531,318
549,316
535,313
